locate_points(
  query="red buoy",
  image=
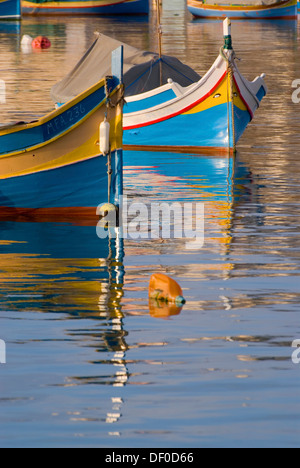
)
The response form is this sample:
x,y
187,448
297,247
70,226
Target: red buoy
x,y
41,42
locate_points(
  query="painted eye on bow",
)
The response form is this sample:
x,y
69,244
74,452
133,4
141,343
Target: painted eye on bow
x,y
217,96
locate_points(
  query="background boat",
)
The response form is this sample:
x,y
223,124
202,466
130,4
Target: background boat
x,y
85,7
10,9
243,9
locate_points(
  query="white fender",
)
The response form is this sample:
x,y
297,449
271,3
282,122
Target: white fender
x,y
104,137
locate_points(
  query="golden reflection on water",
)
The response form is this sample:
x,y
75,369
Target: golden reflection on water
x,y
28,273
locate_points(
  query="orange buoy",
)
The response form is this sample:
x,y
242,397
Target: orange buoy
x,y
162,310
162,288
41,42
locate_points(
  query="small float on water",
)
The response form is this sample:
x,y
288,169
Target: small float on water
x,y
59,164
168,105
85,7
244,9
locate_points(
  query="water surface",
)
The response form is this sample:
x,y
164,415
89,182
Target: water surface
x,y
87,363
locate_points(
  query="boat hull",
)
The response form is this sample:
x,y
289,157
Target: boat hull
x,y
208,116
285,10
10,9
86,7
54,165
69,191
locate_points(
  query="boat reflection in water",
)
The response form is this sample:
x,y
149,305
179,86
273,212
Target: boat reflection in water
x,y
68,284
221,183
62,268
216,181
10,27
65,268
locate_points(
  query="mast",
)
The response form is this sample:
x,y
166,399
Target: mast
x,y
159,34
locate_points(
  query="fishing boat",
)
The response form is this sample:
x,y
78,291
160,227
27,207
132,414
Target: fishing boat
x,y
85,7
62,164
244,9
10,9
168,105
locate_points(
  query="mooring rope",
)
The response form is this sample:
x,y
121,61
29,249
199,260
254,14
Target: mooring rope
x,y
109,103
230,97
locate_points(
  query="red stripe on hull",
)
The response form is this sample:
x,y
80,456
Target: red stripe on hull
x,y
182,111
201,150
242,98
78,216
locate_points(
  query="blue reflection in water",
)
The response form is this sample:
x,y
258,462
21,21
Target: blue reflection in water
x,y
80,337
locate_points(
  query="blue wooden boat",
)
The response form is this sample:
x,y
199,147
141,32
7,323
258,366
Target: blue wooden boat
x,y
85,7
10,9
184,113
55,166
244,9
209,115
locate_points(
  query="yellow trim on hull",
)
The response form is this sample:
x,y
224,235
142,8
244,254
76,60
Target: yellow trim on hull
x,y
219,96
90,147
79,143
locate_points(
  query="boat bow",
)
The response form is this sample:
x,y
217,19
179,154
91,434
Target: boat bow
x,y
208,115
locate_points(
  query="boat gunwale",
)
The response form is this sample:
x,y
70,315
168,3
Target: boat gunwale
x,y
53,115
179,112
189,91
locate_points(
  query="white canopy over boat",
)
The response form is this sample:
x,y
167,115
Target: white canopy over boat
x,y
142,70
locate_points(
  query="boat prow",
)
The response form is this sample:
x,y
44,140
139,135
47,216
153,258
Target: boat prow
x,y
208,116
169,107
